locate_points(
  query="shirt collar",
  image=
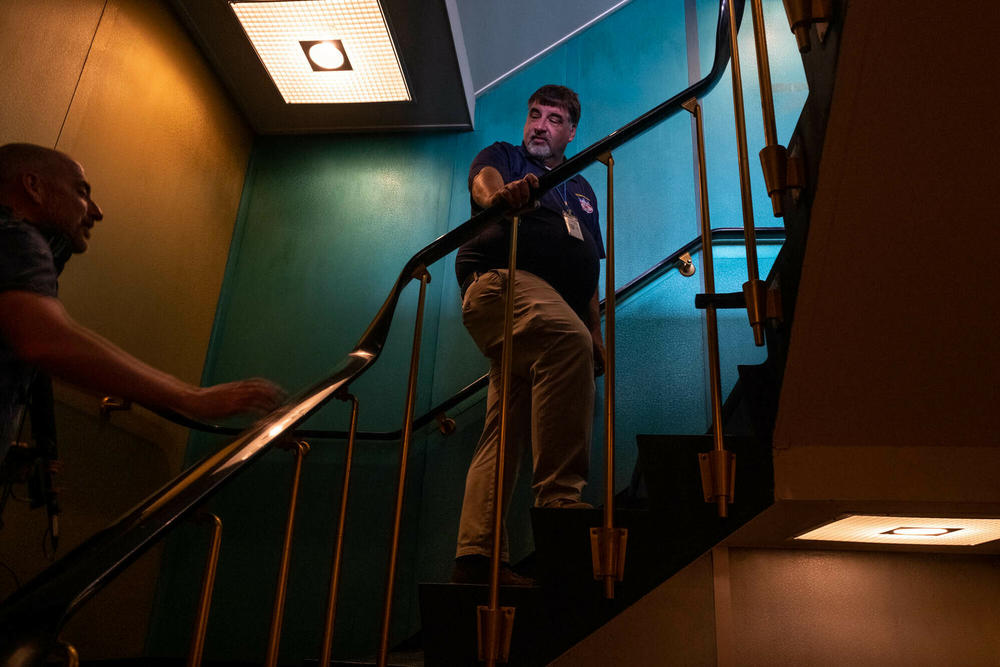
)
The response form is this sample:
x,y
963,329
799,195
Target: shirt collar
x,y
58,242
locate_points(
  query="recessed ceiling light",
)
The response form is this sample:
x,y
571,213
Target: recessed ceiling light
x,y
881,529
284,32
921,532
326,56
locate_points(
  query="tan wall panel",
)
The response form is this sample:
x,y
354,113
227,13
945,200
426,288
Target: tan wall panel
x,y
894,340
166,156
41,55
822,608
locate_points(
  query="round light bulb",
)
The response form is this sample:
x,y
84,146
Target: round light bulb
x,y
326,55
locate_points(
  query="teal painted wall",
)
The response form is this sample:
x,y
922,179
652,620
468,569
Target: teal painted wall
x,y
326,224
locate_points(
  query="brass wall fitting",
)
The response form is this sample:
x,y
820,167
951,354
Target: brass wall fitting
x,y
774,162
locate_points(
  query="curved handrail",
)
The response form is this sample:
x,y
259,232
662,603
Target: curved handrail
x,y
621,294
30,619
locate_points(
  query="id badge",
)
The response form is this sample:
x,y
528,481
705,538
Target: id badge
x,y
572,225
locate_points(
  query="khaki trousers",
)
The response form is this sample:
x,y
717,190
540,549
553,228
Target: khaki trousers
x,y
551,400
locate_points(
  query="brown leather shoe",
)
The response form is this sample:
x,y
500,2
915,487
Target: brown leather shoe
x,y
476,570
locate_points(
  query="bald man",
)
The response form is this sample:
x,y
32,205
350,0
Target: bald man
x,y
47,215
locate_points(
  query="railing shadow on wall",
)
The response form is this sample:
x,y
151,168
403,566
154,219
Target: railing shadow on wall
x,y
30,620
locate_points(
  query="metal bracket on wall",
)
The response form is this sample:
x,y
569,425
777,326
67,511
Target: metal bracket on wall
x,y
446,425
505,630
111,404
718,475
685,265
607,552
804,13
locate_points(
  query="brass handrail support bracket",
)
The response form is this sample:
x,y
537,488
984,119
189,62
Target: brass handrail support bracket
x,y
718,477
111,404
606,159
800,17
685,265
421,273
774,309
691,105
297,447
755,293
487,618
802,14
774,162
446,425
795,174
822,14
607,552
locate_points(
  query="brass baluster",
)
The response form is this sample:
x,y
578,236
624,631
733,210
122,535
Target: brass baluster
x,y
299,448
207,586
411,393
331,604
717,466
607,543
753,289
494,623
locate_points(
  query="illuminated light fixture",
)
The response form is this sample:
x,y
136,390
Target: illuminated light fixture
x,y
285,33
326,56
882,529
921,532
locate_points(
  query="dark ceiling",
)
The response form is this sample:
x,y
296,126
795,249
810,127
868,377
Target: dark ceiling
x,y
422,31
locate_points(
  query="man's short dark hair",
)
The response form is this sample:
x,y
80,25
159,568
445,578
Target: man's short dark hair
x,y
558,96
17,158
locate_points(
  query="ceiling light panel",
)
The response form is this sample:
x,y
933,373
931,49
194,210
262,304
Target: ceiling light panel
x,y
276,30
875,529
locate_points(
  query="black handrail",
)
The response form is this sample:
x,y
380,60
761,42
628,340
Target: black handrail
x,y
31,618
621,295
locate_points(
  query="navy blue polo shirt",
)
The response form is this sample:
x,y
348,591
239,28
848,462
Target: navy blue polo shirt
x,y
545,247
30,261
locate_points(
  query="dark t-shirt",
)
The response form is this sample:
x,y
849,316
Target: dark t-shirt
x,y
545,247
30,261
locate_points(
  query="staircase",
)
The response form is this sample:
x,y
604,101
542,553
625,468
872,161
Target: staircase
x,y
668,520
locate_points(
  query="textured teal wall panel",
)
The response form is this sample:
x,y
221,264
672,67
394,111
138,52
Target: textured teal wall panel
x,y
328,225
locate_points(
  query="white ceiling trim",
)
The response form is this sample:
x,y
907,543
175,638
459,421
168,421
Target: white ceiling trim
x,y
546,50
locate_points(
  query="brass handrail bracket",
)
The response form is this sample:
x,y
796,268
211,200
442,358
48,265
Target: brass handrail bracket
x,y
718,477
607,553
802,14
446,425
685,265
490,621
111,404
